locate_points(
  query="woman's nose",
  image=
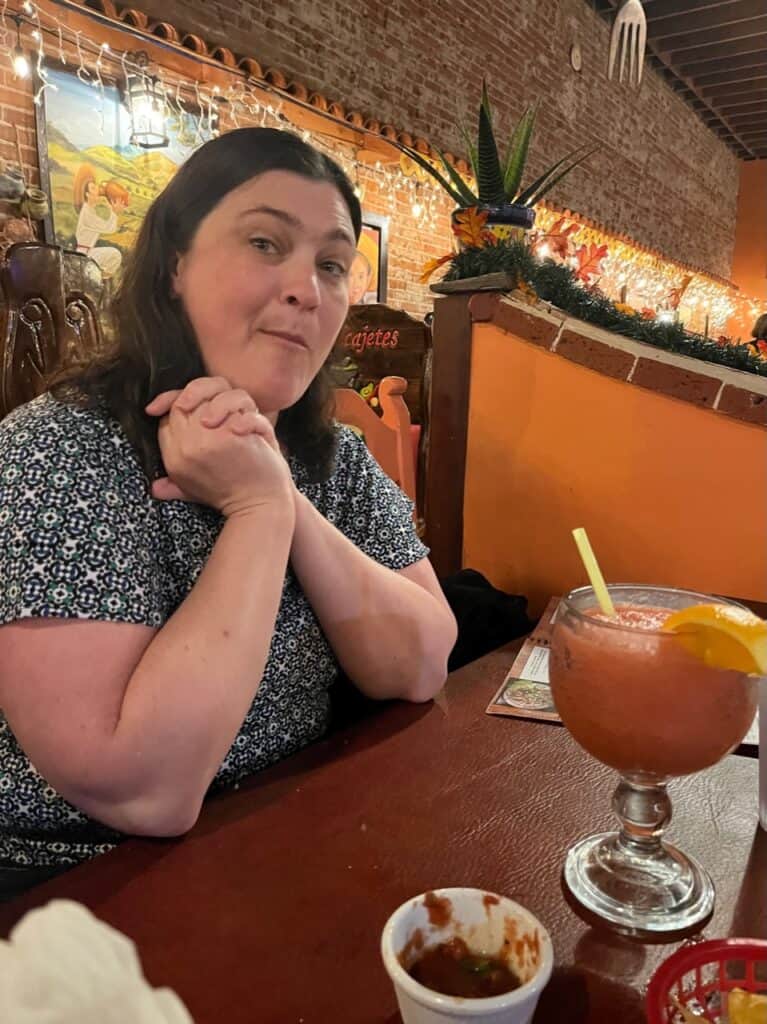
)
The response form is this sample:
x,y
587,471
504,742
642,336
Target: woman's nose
x,y
300,284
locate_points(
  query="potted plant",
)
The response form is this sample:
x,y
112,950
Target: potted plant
x,y
499,192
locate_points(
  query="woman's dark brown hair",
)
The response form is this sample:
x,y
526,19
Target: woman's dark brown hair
x,y
154,347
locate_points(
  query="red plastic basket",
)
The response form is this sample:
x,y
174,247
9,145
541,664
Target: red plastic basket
x,y
701,975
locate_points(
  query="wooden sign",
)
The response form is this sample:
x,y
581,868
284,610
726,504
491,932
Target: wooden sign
x,y
377,341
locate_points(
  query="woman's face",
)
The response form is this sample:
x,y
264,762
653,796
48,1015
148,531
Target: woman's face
x,y
91,193
265,284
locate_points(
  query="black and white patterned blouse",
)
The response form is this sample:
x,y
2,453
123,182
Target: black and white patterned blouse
x,y
82,538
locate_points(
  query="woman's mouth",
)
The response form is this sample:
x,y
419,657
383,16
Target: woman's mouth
x,y
288,336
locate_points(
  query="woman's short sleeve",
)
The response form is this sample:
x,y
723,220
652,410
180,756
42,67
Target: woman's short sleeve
x,y
78,539
370,509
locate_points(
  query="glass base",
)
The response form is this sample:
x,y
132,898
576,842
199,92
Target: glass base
x,y
642,892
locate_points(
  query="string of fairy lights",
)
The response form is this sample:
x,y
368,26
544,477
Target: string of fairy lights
x,y
155,97
645,281
162,95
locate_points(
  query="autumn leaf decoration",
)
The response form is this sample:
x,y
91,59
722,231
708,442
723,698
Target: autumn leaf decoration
x,y
433,265
589,261
623,307
675,295
558,237
470,228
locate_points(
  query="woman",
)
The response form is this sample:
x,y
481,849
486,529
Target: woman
x,y
162,638
91,224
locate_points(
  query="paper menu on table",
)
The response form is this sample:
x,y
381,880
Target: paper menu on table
x,y
525,691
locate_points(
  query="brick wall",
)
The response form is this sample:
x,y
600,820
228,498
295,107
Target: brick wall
x,y
17,111
661,176
409,246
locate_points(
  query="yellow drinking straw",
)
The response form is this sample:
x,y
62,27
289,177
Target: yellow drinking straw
x,y
594,573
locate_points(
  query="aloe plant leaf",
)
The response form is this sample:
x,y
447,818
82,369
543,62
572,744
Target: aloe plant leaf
x,y
489,178
485,102
471,148
457,181
558,177
517,156
457,198
541,192
524,196
549,178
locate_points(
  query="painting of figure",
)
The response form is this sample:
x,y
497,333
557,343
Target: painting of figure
x,y
100,185
367,276
99,207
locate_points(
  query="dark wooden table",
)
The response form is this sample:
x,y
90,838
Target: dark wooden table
x,y
271,910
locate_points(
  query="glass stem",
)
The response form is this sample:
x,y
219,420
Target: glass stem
x,y
643,807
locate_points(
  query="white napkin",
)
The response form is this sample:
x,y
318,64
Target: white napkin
x,y
64,966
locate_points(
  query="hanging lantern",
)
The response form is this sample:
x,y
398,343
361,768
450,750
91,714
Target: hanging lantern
x,y
21,68
146,104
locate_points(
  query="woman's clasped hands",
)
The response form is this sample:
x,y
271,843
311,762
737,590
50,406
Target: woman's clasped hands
x,y
218,449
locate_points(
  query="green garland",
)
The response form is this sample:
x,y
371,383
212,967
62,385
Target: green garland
x,y
556,283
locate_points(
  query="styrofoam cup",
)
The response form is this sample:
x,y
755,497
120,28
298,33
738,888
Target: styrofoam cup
x,y
490,925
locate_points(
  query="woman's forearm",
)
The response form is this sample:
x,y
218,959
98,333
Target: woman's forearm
x,y
192,688
390,635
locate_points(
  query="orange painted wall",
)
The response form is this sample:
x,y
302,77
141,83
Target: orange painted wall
x,y
670,493
749,258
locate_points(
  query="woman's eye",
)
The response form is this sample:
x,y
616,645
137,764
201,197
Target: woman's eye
x,y
334,268
263,244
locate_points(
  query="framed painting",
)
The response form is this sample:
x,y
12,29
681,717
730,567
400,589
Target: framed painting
x,y
99,184
368,274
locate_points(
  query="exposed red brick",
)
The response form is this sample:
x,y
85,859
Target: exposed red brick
x,y
527,326
408,80
744,405
415,66
596,355
676,382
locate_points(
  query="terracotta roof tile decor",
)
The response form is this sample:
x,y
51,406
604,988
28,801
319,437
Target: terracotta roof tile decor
x,y
164,30
299,91
251,67
224,56
103,7
275,77
137,19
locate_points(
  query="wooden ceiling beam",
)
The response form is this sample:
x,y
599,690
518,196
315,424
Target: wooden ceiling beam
x,y
719,95
737,13
736,115
720,65
735,76
679,8
744,110
735,126
717,51
682,43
